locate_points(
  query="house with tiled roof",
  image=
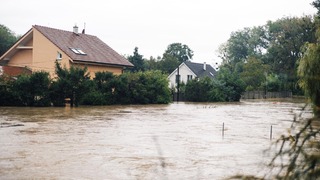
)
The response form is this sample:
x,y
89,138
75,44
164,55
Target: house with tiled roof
x,y
41,47
189,70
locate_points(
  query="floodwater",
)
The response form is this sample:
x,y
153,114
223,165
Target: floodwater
x,y
175,141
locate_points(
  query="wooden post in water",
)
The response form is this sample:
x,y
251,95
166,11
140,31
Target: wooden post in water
x,y
271,133
222,130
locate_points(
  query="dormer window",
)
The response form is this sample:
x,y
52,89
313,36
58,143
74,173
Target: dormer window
x,y
78,51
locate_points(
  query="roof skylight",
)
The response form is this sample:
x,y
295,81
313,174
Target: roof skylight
x,y
78,51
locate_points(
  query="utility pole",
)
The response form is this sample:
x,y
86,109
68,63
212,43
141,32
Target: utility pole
x,y
178,84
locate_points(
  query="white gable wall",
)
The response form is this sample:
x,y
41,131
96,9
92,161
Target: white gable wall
x,y
184,71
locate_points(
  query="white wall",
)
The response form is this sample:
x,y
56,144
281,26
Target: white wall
x,y
184,71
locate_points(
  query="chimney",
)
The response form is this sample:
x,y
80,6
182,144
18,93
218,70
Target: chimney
x,y
75,29
84,29
204,66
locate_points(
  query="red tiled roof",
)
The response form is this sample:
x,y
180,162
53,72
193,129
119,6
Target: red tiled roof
x,y
96,50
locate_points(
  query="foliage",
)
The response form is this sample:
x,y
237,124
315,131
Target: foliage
x,y
7,39
242,44
316,4
198,90
74,83
7,97
32,90
273,83
150,87
226,87
168,63
153,64
286,37
233,85
300,151
180,51
174,55
254,73
277,45
309,73
137,61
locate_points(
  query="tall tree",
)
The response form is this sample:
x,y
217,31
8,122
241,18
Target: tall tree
x,y
242,44
180,51
286,36
7,39
168,63
137,61
254,73
309,73
316,4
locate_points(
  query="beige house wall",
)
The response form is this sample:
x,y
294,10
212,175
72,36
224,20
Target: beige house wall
x,y
45,54
23,58
92,69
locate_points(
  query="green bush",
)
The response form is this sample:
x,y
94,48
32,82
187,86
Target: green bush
x,y
226,87
150,87
32,90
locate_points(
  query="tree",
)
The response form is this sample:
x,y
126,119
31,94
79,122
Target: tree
x,y
153,63
277,44
7,97
316,4
286,37
233,86
137,61
72,83
7,39
309,73
149,87
254,73
180,51
243,44
198,90
168,63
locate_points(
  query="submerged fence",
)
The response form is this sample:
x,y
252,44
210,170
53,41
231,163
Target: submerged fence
x,y
246,95
266,95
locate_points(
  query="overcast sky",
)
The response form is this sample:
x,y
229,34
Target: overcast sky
x,y
151,25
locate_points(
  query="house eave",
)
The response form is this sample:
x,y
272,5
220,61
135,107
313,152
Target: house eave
x,y
99,63
17,46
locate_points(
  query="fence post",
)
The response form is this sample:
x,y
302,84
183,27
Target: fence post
x,y
222,130
271,133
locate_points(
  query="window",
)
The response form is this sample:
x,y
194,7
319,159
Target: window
x,y
177,79
59,56
78,51
189,77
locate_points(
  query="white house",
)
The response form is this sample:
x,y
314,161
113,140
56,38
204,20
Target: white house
x,y
189,70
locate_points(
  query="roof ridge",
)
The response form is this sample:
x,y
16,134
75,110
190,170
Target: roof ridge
x,y
56,29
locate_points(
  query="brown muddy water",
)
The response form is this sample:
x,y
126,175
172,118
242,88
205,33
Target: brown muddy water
x,y
175,141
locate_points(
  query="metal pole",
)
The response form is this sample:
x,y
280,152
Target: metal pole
x,y
271,133
222,130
